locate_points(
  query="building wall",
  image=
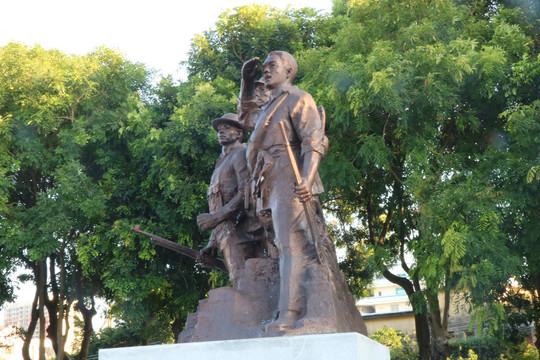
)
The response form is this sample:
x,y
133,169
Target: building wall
x,y
398,305
14,344
404,323
18,316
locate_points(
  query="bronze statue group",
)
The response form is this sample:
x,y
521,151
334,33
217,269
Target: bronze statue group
x,y
264,200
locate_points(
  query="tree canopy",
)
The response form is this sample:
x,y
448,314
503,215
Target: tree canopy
x,y
420,97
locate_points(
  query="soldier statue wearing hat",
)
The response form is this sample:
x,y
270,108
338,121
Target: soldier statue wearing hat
x,y
231,230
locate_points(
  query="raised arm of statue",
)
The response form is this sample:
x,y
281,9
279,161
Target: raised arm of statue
x,y
250,70
247,104
248,111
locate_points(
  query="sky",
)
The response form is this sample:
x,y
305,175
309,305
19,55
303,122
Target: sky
x,y
156,33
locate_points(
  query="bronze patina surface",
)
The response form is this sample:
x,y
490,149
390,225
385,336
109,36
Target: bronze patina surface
x,y
267,220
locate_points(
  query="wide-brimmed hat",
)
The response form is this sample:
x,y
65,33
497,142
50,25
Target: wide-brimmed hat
x,y
260,81
231,119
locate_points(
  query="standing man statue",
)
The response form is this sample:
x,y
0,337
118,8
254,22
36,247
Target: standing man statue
x,y
231,230
273,177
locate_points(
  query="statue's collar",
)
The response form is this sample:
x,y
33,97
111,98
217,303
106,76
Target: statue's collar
x,y
226,150
278,93
282,89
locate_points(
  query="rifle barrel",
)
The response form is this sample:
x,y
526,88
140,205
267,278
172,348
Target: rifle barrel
x,y
184,250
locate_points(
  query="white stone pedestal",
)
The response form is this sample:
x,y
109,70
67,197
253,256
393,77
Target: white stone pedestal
x,y
346,346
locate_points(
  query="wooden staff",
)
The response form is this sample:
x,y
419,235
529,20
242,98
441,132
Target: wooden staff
x,y
307,208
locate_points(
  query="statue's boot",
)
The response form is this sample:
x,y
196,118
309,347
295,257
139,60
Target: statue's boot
x,y
285,321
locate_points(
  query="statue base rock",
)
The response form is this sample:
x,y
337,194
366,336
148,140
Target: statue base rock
x,y
245,311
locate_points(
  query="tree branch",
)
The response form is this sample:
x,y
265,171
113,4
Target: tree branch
x,y
405,283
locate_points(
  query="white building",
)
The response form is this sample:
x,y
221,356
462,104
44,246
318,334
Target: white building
x,y
386,297
18,316
11,345
389,306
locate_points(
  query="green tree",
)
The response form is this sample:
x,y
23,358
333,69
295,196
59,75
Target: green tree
x,y
56,111
414,93
521,215
159,180
254,30
400,344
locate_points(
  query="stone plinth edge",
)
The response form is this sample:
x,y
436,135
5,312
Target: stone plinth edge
x,y
350,346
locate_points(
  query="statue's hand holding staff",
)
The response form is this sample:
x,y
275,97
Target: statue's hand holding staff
x,y
303,191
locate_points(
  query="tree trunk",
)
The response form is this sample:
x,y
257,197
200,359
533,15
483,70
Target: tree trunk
x,y
42,286
177,327
52,329
88,330
439,346
422,336
535,276
420,317
58,306
32,326
87,314
537,334
52,306
61,310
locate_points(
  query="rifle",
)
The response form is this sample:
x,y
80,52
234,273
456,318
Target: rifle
x,y
208,261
